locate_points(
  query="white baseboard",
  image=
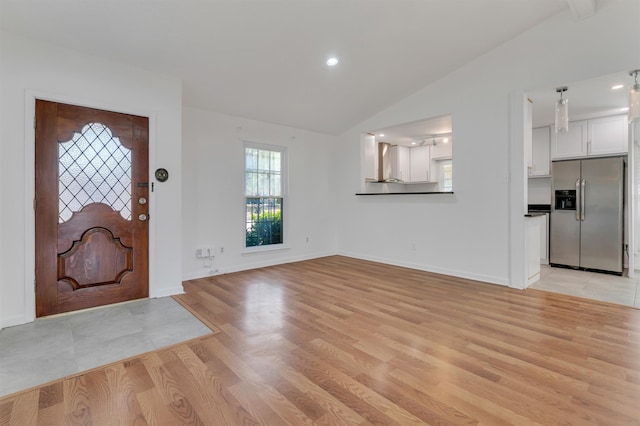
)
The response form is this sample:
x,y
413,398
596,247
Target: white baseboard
x,y
427,268
165,292
16,320
204,273
430,268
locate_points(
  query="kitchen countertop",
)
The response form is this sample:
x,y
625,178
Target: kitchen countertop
x,y
538,210
545,208
404,193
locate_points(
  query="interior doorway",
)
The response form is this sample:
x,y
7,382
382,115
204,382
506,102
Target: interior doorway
x,y
592,103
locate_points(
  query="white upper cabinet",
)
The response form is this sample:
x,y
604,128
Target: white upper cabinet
x,y
441,150
571,144
608,135
400,162
595,137
420,159
368,157
540,152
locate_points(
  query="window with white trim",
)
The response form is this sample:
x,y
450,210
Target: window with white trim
x,y
446,175
265,178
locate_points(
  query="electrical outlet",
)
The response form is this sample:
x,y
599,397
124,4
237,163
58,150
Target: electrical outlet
x,y
307,239
221,249
203,252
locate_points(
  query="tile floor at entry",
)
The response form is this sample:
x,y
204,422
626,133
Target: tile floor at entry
x,y
590,285
51,348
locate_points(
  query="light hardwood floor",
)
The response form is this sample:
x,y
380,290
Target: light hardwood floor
x,y
338,341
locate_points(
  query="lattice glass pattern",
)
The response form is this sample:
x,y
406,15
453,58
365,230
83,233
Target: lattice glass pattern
x,y
93,167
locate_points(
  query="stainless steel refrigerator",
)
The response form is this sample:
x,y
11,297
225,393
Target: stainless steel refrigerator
x,y
587,221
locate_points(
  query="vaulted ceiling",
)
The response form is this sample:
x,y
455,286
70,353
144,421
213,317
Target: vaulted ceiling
x,y
265,59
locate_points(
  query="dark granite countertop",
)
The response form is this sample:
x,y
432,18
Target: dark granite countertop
x,y
403,193
544,208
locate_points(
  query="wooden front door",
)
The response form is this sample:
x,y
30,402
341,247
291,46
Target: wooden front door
x,y
91,208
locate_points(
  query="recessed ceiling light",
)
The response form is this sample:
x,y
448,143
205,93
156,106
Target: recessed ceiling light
x,y
445,140
414,143
381,135
617,87
332,62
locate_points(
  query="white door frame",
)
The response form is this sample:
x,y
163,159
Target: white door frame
x,y
29,184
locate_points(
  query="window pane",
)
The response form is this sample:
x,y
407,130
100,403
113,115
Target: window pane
x,y
263,184
275,185
275,161
266,163
446,175
263,221
251,156
263,160
263,196
251,183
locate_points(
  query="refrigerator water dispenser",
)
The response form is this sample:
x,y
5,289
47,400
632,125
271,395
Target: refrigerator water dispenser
x,y
565,199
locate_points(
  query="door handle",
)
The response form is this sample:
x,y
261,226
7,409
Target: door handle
x,y
582,188
578,200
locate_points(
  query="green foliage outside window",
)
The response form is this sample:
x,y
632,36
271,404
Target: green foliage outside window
x,y
264,227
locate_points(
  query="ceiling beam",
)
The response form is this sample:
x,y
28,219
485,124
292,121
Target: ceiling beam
x,y
581,9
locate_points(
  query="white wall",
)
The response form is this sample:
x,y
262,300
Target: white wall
x,y
539,190
31,69
213,189
478,231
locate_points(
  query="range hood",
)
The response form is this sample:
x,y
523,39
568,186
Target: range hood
x,y
384,164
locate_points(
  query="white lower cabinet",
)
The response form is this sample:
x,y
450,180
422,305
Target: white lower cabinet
x,y
544,240
532,249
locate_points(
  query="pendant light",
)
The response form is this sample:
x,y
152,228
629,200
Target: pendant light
x,y
634,98
562,111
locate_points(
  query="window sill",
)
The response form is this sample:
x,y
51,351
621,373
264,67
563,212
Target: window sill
x,y
262,249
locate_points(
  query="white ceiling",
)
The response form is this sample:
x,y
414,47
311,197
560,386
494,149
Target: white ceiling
x,y
413,133
587,98
265,59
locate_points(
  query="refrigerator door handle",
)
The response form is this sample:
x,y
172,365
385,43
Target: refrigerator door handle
x,y
582,188
579,199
